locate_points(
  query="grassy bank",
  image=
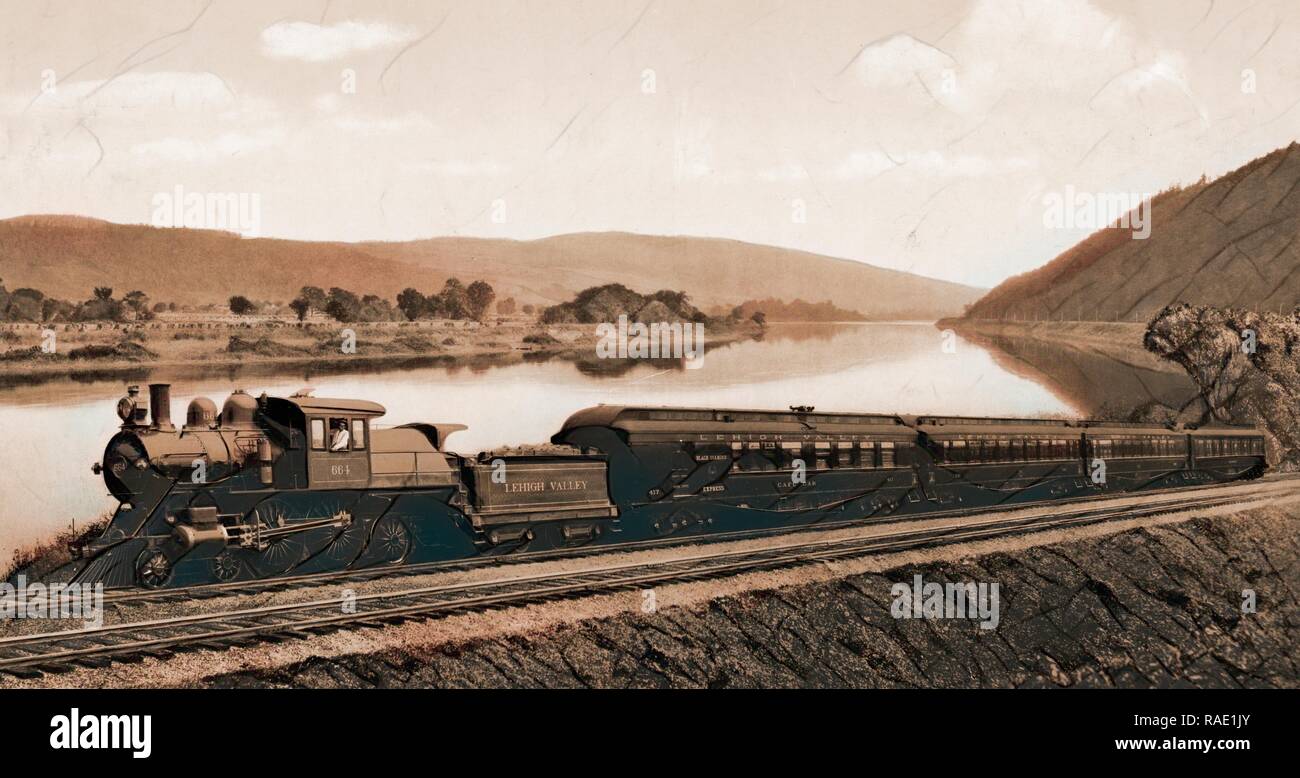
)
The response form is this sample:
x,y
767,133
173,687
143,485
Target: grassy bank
x,y
178,341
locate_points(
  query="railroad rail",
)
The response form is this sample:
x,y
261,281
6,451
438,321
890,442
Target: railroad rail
x,y
33,655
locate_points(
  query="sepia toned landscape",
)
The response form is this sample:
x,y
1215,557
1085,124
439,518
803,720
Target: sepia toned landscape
x,y
951,345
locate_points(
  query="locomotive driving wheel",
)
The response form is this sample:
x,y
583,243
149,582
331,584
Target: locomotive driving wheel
x,y
391,541
154,569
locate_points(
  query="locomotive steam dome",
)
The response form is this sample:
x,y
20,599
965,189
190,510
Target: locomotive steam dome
x,y
202,412
238,410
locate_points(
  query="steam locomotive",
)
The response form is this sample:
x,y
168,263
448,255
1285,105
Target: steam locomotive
x,y
273,486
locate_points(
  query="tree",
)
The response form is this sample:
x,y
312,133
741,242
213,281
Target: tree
x,y
454,303
137,301
343,305
506,306
314,296
300,307
376,308
480,296
241,305
412,303
104,293
529,309
759,318
432,307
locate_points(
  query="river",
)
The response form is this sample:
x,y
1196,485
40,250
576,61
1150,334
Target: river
x,y
54,431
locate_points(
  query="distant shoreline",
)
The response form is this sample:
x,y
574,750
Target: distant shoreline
x,y
269,345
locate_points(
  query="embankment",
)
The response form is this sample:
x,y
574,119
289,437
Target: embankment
x,y
1158,605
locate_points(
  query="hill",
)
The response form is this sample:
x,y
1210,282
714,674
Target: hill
x,y
1230,242
67,256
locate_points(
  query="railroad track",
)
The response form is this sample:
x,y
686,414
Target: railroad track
x,y
33,655
288,583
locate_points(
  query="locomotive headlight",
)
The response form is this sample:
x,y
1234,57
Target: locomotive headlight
x,y
125,408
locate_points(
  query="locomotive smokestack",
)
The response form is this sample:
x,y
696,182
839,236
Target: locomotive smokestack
x,y
160,405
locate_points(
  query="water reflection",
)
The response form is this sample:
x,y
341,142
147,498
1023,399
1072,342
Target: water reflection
x,y
54,431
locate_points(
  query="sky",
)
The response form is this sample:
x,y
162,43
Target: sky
x,y
925,137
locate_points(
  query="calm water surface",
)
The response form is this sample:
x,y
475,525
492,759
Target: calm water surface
x,y
55,431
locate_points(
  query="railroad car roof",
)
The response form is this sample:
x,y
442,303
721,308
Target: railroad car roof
x,y
658,418
991,421
1029,430
1230,431
1098,430
335,404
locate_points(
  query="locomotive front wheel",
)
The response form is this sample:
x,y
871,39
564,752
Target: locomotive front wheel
x,y
225,567
154,569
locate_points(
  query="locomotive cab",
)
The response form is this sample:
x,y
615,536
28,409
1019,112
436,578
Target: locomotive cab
x,y
329,439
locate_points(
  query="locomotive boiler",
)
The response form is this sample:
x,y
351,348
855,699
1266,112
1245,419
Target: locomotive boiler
x,y
271,486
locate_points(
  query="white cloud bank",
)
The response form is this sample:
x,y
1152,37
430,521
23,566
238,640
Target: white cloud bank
x,y
321,43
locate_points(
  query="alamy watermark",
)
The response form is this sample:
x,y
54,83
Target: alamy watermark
x,y
658,340
921,600
1072,209
239,212
82,602
76,730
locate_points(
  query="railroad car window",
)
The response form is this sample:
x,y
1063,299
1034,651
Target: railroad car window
x,y
867,454
358,434
959,451
822,450
318,434
844,454
887,453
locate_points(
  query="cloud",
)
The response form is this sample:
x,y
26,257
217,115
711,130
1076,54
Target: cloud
x,y
896,61
316,43
384,125
171,150
173,90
